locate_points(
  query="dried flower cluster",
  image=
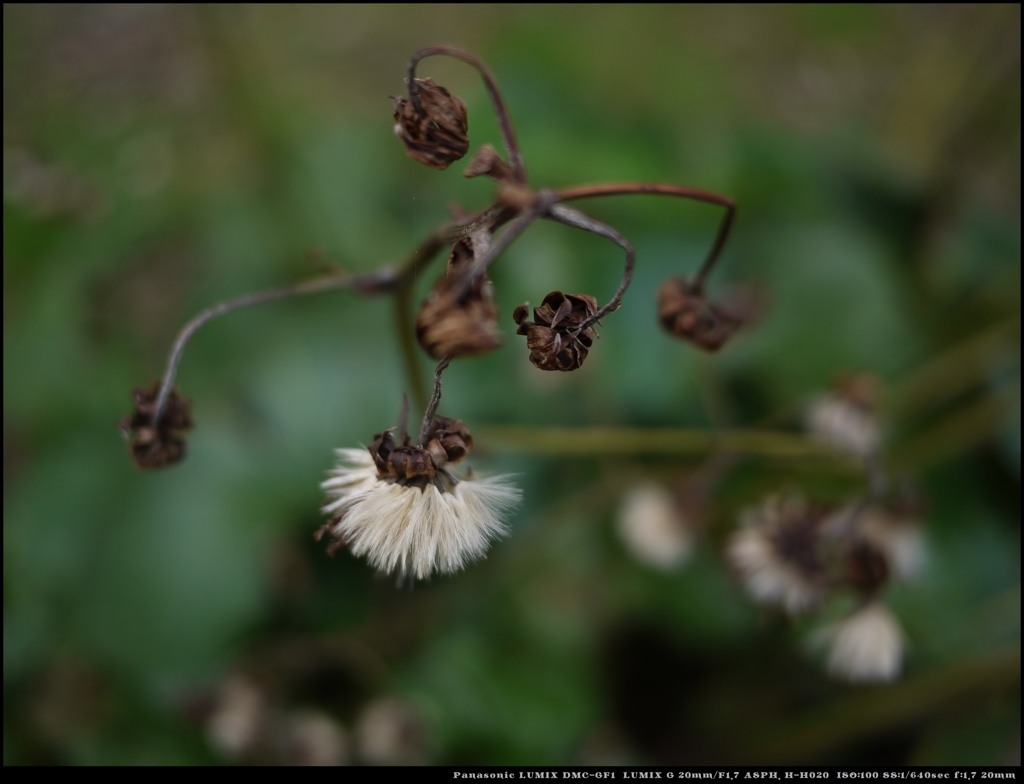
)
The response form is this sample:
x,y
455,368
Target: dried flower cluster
x,y
398,503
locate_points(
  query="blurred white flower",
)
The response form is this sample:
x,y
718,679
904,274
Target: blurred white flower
x,y
776,554
413,530
866,647
391,732
844,425
238,720
311,737
652,527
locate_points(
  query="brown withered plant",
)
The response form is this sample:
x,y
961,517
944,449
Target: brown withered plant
x,y
459,316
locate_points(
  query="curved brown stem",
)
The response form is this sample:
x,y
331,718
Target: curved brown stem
x,y
680,191
435,399
579,220
508,134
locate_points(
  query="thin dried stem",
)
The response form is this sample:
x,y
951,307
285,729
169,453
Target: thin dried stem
x,y
435,399
508,134
259,298
680,191
577,219
541,204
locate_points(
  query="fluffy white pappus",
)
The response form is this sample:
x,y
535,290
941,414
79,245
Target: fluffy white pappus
x,y
412,531
867,647
652,527
768,578
844,425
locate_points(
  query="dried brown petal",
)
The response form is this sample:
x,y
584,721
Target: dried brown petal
x,y
554,337
436,136
164,444
486,161
866,568
686,313
448,325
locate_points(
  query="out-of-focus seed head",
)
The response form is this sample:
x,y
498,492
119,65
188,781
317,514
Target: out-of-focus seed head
x,y
163,444
554,336
437,136
685,312
866,568
459,326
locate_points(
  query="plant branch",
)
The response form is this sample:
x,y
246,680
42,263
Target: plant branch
x,y
508,134
543,201
435,399
680,191
577,219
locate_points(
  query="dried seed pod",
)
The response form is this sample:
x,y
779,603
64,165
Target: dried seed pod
x,y
437,135
686,313
554,337
453,437
486,161
410,462
450,325
866,568
163,444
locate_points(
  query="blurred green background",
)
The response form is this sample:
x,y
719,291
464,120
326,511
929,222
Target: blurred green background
x,y
158,159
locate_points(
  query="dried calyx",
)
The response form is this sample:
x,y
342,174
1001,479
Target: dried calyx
x,y
160,444
554,337
685,312
454,324
448,442
435,132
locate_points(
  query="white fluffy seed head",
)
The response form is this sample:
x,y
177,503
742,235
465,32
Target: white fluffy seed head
x,y
767,575
844,425
409,530
652,527
867,647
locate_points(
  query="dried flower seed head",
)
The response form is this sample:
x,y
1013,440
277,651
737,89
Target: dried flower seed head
x,y
163,444
654,528
436,136
487,162
866,568
459,326
778,554
413,526
554,337
866,647
686,313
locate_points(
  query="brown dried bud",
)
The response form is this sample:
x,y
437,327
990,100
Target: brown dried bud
x,y
380,450
161,445
486,161
410,462
684,311
448,325
554,338
452,436
866,568
437,135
